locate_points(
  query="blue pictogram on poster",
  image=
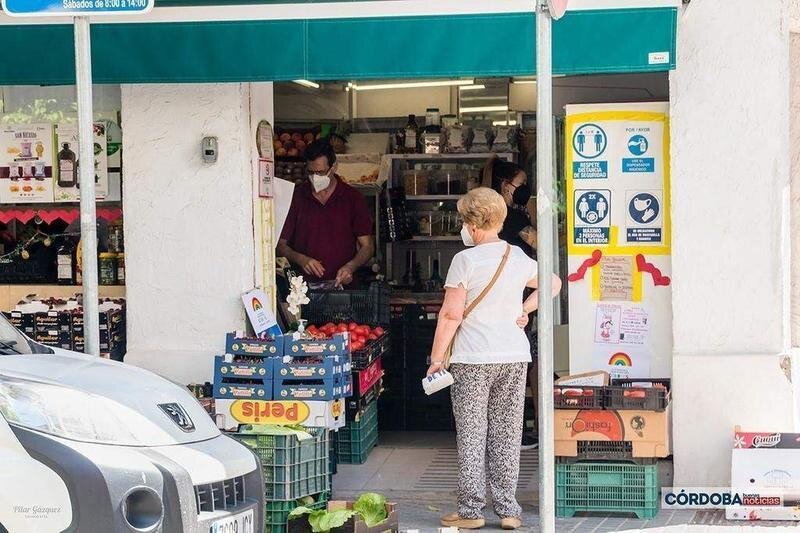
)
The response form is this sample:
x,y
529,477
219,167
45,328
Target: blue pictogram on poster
x,y
592,216
644,209
589,141
592,207
638,146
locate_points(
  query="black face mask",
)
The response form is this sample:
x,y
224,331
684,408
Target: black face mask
x,y
521,195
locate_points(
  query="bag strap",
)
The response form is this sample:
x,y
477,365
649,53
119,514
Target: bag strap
x,y
488,287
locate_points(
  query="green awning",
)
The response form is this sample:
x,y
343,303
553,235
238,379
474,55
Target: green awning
x,y
501,44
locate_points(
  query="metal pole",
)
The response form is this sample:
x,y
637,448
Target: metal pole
x,y
544,251
83,77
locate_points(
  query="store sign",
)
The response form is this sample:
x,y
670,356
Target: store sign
x,y
75,8
263,412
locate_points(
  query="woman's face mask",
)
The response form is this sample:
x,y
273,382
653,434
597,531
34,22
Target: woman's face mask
x,y
521,195
466,237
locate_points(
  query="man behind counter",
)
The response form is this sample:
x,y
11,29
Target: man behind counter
x,y
328,231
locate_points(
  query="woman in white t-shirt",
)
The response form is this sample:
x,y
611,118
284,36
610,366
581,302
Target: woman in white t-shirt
x,y
489,359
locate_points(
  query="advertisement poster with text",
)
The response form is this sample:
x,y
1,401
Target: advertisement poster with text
x,y
26,163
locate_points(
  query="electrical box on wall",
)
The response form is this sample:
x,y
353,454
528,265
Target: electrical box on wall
x,y
210,149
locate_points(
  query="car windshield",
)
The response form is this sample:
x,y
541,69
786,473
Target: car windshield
x,y
12,341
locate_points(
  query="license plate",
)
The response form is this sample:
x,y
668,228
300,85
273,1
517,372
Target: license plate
x,y
239,523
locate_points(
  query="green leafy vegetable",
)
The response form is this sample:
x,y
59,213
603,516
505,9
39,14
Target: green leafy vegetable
x,y
300,511
324,521
371,507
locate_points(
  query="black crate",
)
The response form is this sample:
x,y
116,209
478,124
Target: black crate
x,y
364,357
566,397
625,394
370,306
604,450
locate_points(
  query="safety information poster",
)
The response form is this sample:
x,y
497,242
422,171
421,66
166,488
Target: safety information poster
x,y
618,238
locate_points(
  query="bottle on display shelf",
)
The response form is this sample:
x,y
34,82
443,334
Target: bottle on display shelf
x,y
411,135
67,167
65,264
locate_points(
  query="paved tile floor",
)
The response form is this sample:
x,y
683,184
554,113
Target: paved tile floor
x,y
417,470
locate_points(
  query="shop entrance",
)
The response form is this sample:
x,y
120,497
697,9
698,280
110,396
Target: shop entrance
x,y
412,148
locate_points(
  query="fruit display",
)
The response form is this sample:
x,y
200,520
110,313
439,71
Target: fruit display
x,y
293,143
361,335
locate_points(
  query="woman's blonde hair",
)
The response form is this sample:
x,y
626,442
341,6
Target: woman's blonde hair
x,y
483,208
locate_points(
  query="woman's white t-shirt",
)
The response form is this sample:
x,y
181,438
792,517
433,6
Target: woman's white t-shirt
x,y
490,333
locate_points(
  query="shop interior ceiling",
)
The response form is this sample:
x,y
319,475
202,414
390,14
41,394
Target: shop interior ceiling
x,y
212,44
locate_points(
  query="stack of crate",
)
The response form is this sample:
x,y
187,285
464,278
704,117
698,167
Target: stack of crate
x,y
355,441
607,443
295,472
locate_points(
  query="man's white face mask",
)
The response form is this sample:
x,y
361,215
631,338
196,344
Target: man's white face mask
x,y
320,182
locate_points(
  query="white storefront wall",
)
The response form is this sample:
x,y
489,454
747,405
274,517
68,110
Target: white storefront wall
x,y
190,246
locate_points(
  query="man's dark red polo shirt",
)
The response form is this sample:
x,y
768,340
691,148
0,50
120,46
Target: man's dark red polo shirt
x,y
327,232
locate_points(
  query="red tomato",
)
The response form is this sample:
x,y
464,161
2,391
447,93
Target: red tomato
x,y
352,326
372,337
378,331
341,328
358,345
329,325
363,330
312,329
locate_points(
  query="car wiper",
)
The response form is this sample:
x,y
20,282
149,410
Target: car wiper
x,y
7,347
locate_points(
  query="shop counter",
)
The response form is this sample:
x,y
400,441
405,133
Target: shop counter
x,y
10,295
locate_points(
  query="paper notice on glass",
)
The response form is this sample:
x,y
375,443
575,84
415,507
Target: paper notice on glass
x,y
261,318
622,360
634,326
616,278
283,191
266,176
607,323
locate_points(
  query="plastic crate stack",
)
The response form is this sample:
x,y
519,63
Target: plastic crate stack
x,y
296,472
607,443
355,441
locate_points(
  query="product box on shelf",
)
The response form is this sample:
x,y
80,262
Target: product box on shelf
x,y
338,386
767,464
53,320
231,413
647,431
311,367
336,345
237,344
55,339
25,322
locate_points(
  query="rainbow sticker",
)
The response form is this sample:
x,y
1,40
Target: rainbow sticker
x,y
256,304
620,359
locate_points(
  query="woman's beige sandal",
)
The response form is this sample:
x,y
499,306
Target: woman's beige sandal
x,y
510,523
453,520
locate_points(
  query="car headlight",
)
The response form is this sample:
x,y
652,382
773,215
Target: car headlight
x,y
70,413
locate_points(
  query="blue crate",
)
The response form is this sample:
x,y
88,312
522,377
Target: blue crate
x,y
337,345
240,391
308,367
320,389
236,345
242,369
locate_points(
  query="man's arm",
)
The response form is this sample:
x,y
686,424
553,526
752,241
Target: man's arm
x,y
366,249
309,265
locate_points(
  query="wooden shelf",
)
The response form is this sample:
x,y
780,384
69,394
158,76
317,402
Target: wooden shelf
x,y
437,238
434,197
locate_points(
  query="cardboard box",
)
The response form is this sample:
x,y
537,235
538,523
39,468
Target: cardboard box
x,y
53,320
232,391
241,369
231,413
337,345
55,339
365,380
597,378
237,344
647,431
333,388
355,525
308,367
25,322
768,464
